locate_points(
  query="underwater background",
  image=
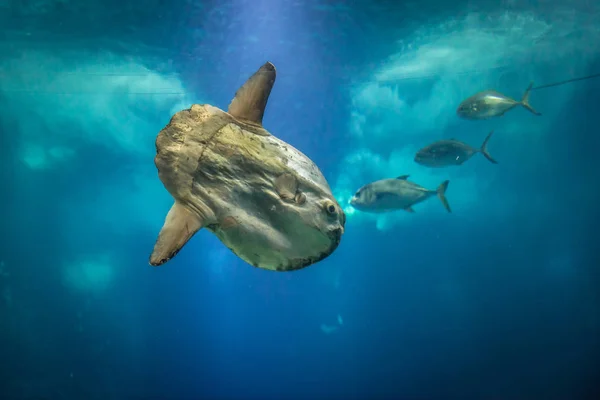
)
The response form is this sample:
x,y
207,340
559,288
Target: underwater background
x,y
498,300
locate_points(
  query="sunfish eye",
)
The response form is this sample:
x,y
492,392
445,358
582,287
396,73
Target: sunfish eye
x,y
330,207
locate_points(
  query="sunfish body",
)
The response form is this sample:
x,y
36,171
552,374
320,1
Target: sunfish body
x,y
395,194
263,199
489,104
445,153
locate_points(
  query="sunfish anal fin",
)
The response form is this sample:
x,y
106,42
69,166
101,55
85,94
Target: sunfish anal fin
x,y
180,225
251,99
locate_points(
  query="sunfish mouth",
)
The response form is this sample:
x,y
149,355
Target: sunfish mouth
x,y
335,237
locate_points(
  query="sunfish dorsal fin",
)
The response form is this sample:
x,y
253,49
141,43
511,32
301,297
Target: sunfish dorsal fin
x,y
403,177
180,225
250,100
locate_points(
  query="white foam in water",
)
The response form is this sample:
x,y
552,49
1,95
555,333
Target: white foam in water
x,y
329,329
79,99
412,98
92,274
38,157
62,102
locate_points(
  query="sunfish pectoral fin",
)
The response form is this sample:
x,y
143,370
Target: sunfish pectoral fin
x,y
286,186
525,101
403,177
484,149
251,99
180,225
410,210
441,193
300,198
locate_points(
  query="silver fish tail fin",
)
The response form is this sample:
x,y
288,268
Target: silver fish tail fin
x,y
484,149
441,193
525,101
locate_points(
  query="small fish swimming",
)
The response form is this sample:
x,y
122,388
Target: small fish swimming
x,y
395,194
445,153
489,104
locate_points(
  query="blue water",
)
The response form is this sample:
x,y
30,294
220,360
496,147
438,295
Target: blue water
x,y
498,300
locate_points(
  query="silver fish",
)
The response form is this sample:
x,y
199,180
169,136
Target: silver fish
x,y
445,153
395,194
489,104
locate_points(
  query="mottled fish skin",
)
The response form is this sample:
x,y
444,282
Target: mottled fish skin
x,y
490,104
394,194
451,152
